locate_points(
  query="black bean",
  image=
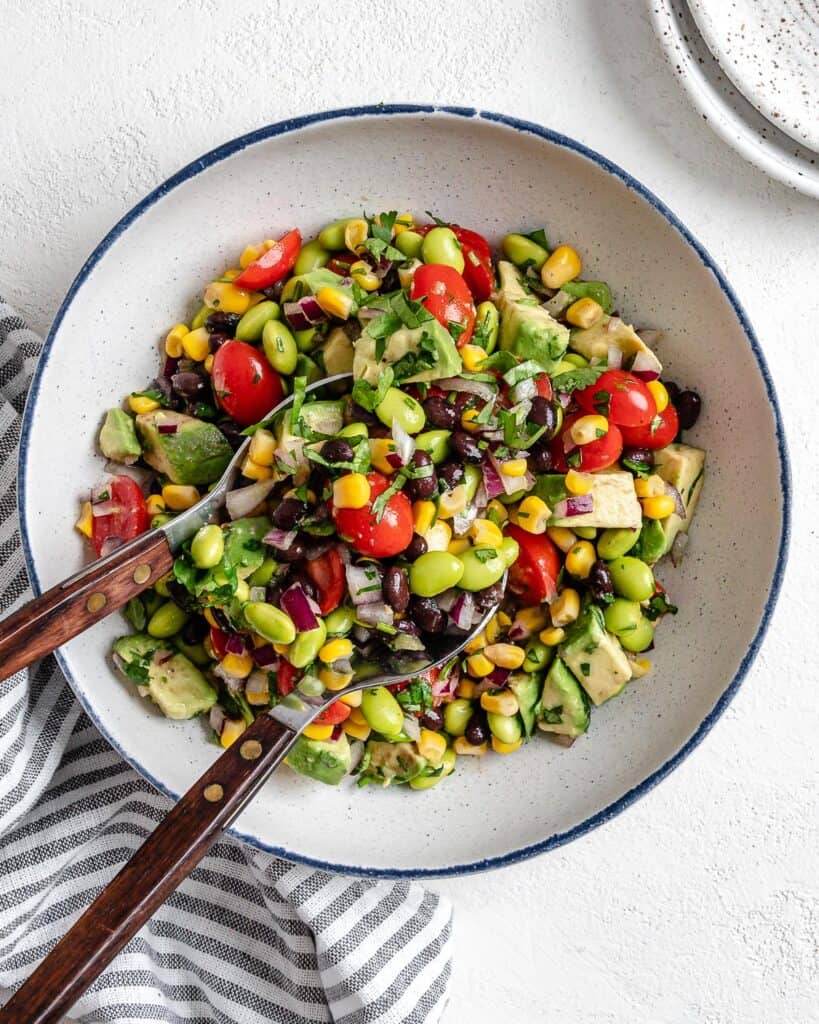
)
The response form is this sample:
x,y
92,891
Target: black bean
x,y
467,447
427,615
540,458
358,414
600,583
464,400
396,590
489,596
337,450
421,487
673,390
274,292
224,323
643,458
163,384
544,414
689,406
433,720
232,432
477,729
288,512
217,340
273,594
416,547
195,630
408,627
189,384
452,474
440,413
292,554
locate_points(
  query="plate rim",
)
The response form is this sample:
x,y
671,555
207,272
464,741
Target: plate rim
x,y
290,125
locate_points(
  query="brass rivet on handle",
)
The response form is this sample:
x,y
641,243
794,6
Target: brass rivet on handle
x,y
213,793
251,750
96,602
142,574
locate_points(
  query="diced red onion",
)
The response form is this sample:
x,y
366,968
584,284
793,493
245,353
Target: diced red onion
x,y
370,313
445,686
233,683
678,548
446,600
471,387
109,507
481,499
483,685
614,359
244,500
463,520
517,631
98,491
614,324
235,644
404,444
394,459
305,313
216,718
110,544
510,484
294,601
282,539
167,428
646,366
577,505
412,728
138,474
568,443
364,584
265,657
373,614
257,685
558,302
564,400
672,492
498,677
492,481
462,610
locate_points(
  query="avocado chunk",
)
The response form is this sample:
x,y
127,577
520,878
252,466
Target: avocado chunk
x,y
338,353
563,707
194,453
527,329
426,352
594,342
316,417
526,687
173,682
118,440
684,468
389,763
615,504
595,657
325,761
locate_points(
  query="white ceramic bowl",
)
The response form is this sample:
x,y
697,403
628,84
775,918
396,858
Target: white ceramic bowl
x,y
493,174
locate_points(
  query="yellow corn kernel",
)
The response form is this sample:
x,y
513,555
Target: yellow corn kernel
x,y
432,746
466,689
262,448
316,731
469,418
239,665
178,497
562,266
232,729
588,428
640,667
479,665
650,486
584,313
227,298
341,647
458,545
173,340
493,629
249,255
659,394
258,641
140,404
505,655
257,699
451,503
253,471
506,748
503,620
533,514
333,680
83,524
356,731
552,636
477,643
658,508
156,504
580,559
232,273
196,344
502,703
532,619
357,716
351,491
473,356
561,537
208,364
362,273
498,511
565,608
403,222
268,243
438,536
514,467
578,483
461,745
355,234
423,516
352,700
211,619
380,448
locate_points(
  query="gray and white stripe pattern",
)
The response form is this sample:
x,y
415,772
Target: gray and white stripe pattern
x,y
248,938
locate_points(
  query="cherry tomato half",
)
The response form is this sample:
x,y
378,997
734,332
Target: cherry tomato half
x,y
244,383
599,454
544,386
623,399
327,572
126,518
286,678
478,272
381,539
533,576
272,265
444,293
340,262
657,434
337,713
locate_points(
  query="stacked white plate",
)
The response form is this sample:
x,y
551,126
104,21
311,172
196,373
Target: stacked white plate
x,y
751,67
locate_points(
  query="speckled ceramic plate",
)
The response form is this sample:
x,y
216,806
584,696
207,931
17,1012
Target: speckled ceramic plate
x,y
723,106
494,174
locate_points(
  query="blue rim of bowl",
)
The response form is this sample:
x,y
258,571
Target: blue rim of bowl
x,y
527,127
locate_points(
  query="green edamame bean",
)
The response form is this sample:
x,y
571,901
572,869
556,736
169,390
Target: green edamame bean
x,y
651,544
425,781
483,566
448,762
523,252
160,519
332,236
614,543
161,585
310,686
435,443
538,656
441,246
263,575
487,322
354,430
270,622
306,646
575,359
200,318
312,256
586,532
167,620
307,340
506,728
510,549
640,637
397,406
307,367
456,716
294,288
207,547
622,616
280,346
564,367
382,711
194,652
340,621
434,572
597,290
251,325
472,481
242,591
410,243
511,499
632,578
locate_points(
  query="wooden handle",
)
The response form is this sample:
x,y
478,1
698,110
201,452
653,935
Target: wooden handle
x,y
43,624
166,857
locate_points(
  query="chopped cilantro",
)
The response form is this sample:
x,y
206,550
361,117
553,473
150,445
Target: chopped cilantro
x,y
574,380
659,605
416,697
539,236
585,668
369,397
485,554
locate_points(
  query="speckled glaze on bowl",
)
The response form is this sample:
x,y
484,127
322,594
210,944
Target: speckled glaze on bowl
x,y
494,174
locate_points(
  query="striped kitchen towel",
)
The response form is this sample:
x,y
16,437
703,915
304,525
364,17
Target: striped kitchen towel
x,y
248,938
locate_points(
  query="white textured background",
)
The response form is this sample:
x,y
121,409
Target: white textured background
x,y
700,903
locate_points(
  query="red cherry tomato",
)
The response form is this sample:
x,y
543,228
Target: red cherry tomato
x,y
381,539
478,272
660,432
286,678
218,641
327,572
599,454
337,713
544,386
533,577
444,293
244,383
620,397
340,262
126,516
272,265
